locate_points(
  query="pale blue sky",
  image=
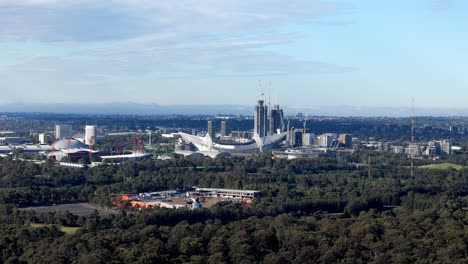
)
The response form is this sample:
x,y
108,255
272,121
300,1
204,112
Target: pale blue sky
x,y
357,53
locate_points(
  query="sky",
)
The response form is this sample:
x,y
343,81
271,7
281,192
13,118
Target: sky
x,y
208,52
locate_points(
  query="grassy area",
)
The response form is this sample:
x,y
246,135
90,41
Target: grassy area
x,y
442,166
66,229
69,230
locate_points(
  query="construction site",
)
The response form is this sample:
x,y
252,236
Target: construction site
x,y
193,199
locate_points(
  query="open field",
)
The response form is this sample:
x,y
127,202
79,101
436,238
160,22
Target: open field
x,y
80,209
442,166
66,229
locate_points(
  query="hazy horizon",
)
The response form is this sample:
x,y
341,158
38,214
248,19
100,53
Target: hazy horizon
x,y
226,109
304,52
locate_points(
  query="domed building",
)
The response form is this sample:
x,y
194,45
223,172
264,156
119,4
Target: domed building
x,y
68,144
71,149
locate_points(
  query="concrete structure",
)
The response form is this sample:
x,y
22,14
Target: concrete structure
x,y
304,152
214,154
70,148
224,128
242,136
308,139
398,149
346,140
261,119
166,157
125,157
207,144
68,144
71,164
384,147
227,193
90,135
27,148
446,146
14,140
167,135
6,150
210,129
43,138
295,137
276,120
413,150
327,139
441,147
63,131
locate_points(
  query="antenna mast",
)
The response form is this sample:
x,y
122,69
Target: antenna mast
x,y
269,97
305,122
412,137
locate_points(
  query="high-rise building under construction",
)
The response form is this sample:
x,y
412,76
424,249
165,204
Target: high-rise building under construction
x,y
261,119
210,129
224,128
276,120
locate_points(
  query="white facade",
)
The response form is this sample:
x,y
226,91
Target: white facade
x,y
446,146
326,140
63,131
206,143
308,139
414,150
398,149
43,138
90,135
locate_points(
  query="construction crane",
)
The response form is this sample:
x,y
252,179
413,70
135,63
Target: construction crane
x,y
412,138
262,91
305,122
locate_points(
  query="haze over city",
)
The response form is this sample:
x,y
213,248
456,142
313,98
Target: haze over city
x,y
314,53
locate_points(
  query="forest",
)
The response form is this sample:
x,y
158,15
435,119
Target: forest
x,y
311,211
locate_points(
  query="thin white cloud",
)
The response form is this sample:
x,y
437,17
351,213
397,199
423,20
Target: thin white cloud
x,y
185,37
67,20
442,5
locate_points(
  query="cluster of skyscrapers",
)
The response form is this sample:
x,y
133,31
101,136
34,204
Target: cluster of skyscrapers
x,y
268,123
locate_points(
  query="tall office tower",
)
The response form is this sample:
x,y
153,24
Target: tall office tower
x,y
261,119
63,131
276,120
346,140
90,135
224,128
211,129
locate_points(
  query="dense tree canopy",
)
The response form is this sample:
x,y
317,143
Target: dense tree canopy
x,y
321,210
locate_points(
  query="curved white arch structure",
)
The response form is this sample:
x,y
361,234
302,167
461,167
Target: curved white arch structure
x,y
206,143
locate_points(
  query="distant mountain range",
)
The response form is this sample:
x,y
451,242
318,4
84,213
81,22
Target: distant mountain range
x,y
155,109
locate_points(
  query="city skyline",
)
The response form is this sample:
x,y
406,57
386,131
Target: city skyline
x,y
314,53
